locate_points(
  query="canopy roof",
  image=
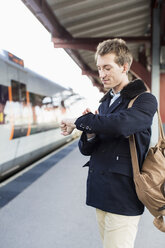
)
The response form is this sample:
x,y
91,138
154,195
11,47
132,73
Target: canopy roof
x,y
79,25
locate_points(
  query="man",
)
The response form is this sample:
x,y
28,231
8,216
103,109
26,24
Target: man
x,y
110,186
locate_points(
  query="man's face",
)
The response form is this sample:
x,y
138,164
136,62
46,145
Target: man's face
x,y
110,73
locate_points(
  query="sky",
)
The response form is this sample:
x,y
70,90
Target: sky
x,y
24,36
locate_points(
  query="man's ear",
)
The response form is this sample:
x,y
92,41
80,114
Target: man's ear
x,y
125,68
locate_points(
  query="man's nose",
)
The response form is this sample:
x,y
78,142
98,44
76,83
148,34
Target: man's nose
x,y
102,74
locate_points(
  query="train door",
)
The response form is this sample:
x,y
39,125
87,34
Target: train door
x,y
3,101
8,146
23,123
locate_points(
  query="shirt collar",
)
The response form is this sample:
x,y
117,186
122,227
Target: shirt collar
x,y
112,94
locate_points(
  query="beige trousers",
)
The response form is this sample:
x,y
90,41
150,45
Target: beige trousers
x,y
117,231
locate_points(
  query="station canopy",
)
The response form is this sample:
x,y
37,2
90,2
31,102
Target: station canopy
x,y
79,25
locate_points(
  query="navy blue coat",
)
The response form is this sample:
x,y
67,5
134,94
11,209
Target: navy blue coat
x,y
110,185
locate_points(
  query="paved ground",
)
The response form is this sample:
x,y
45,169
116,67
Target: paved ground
x,y
45,208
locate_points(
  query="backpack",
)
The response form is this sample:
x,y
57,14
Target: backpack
x,y
150,181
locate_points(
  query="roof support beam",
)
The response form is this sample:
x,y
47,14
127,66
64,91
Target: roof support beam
x,y
86,70
138,70
83,43
91,43
43,12
90,73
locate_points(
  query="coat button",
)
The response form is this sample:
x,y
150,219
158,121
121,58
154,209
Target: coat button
x,y
102,173
82,126
90,170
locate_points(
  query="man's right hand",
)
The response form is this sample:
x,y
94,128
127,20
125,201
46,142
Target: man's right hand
x,y
67,126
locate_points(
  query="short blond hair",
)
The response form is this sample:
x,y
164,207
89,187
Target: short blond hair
x,y
118,47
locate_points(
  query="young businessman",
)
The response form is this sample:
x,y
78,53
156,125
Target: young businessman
x,y
110,185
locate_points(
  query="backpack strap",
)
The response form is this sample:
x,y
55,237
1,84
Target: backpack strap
x,y
161,131
133,150
132,143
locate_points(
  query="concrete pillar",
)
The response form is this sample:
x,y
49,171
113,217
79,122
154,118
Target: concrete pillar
x,y
162,98
155,75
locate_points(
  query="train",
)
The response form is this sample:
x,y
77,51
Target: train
x,y
31,109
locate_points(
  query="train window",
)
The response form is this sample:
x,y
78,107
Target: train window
x,y
3,94
3,99
18,91
22,92
47,100
15,91
36,100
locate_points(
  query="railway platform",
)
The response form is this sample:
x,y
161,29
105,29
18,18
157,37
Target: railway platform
x,y
44,207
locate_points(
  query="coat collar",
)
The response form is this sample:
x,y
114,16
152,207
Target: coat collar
x,y
130,91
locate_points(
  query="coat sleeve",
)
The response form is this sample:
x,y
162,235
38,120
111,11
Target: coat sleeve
x,y
87,147
123,123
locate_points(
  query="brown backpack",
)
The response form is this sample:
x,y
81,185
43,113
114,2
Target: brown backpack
x,y
150,181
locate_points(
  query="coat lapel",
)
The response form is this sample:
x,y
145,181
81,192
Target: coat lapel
x,y
115,104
